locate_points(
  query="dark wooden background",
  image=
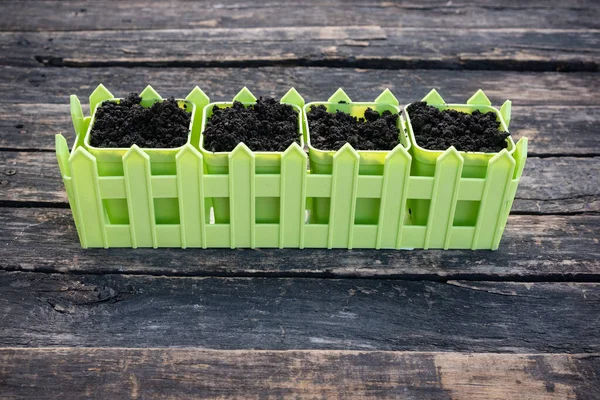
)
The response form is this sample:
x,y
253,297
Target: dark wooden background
x,y
521,322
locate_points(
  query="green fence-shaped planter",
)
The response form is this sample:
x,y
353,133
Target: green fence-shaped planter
x,y
171,208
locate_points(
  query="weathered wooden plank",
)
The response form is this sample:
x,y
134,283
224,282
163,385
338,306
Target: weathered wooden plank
x,y
100,373
351,46
549,185
533,248
137,14
54,85
560,130
281,314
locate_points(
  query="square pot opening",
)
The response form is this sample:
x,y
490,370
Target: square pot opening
x,y
266,162
371,161
162,160
475,163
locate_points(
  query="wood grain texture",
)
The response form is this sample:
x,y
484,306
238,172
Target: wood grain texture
x,y
558,112
346,46
100,373
549,185
281,314
54,85
534,248
52,15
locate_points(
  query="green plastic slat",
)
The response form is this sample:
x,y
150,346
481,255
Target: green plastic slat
x,y
241,197
86,196
138,187
99,95
62,154
190,190
293,197
448,169
293,97
433,97
344,185
520,157
200,100
495,195
387,97
396,172
506,111
77,116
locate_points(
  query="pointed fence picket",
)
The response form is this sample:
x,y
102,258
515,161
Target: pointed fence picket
x,y
86,196
292,197
241,197
190,173
138,188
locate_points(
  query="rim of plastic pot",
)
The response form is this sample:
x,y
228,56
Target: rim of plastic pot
x,y
221,158
478,101
385,100
195,100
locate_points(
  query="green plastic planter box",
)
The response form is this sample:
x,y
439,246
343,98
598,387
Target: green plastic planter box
x,y
267,196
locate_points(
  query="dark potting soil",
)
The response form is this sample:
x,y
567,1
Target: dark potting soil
x,y
438,130
330,131
264,126
163,125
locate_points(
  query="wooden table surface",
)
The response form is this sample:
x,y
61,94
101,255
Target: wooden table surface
x,y
521,322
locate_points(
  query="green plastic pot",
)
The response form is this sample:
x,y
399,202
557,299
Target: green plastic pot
x,y
371,162
461,166
266,162
110,161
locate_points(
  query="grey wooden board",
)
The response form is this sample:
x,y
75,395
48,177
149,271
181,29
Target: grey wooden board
x,y
558,112
101,373
534,248
279,314
54,85
44,15
349,46
549,185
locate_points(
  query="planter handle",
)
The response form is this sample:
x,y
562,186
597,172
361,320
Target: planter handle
x,y
505,111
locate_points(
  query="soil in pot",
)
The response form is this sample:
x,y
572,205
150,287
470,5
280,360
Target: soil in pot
x,y
265,126
330,131
122,124
438,130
